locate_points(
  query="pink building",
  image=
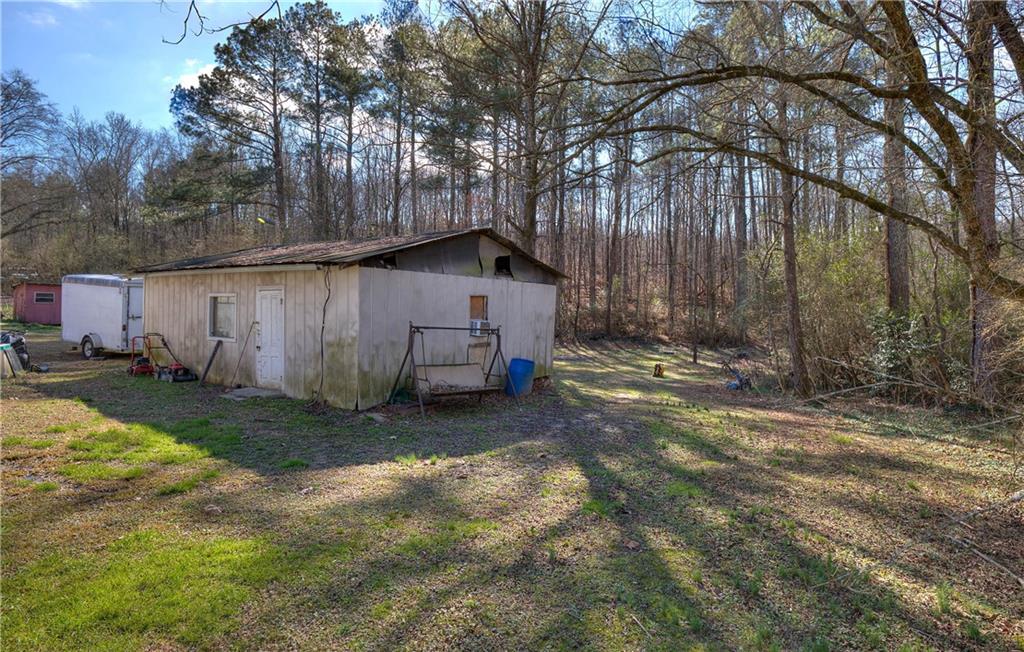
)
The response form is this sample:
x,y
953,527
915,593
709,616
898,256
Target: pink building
x,y
37,303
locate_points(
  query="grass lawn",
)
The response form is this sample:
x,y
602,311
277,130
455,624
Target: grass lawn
x,y
613,511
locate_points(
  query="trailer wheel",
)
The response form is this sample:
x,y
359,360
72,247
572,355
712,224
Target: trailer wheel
x,y
88,348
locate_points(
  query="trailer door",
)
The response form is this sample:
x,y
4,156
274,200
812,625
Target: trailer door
x,y
134,320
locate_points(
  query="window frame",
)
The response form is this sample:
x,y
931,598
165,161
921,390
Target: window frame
x,y
209,316
52,295
487,312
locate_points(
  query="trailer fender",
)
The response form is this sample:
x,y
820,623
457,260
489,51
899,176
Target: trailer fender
x,y
97,341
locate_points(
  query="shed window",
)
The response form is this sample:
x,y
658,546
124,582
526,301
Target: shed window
x,y
478,307
503,266
43,297
222,317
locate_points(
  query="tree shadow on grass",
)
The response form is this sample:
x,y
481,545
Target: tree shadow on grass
x,y
668,540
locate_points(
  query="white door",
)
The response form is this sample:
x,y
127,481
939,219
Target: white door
x,y
134,313
270,338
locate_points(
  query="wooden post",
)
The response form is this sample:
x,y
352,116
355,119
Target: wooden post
x,y
209,363
412,367
508,378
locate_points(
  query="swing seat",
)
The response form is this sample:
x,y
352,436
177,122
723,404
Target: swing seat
x,y
453,379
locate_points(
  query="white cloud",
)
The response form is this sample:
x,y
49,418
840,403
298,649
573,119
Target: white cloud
x,y
71,4
192,63
41,18
191,79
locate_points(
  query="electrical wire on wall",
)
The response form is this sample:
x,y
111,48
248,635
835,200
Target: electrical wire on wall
x,y
318,397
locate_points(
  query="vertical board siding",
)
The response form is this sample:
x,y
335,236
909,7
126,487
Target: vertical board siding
x,y
390,299
175,305
365,330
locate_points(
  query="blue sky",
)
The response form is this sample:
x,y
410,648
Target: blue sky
x,y
109,56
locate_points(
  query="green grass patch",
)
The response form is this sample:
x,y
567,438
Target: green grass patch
x,y
64,427
944,598
30,443
682,489
188,484
973,631
138,592
408,459
86,471
842,440
45,486
685,437
180,443
600,507
292,463
444,537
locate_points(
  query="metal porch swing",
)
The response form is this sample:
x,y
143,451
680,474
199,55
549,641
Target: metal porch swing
x,y
435,381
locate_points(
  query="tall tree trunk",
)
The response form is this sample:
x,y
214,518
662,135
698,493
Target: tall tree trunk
x,y
396,181
740,228
495,124
592,240
450,222
280,194
842,226
467,196
671,216
614,246
798,367
981,100
414,180
558,246
528,228
894,163
710,258
350,201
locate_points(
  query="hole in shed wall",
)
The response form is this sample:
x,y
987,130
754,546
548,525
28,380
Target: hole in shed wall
x,y
503,266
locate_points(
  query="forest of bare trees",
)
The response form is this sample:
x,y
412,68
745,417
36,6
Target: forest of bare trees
x,y
838,184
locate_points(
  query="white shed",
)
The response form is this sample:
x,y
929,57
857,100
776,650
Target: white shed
x,y
332,318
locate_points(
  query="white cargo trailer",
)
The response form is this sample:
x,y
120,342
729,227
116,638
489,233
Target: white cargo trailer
x,y
101,312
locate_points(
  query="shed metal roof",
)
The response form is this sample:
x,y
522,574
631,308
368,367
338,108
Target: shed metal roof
x,y
338,252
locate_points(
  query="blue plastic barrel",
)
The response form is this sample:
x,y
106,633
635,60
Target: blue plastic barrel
x,y
520,376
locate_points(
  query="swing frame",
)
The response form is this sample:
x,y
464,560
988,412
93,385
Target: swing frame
x,y
410,357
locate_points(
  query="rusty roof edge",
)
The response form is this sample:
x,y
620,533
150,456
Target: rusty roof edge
x,y
195,264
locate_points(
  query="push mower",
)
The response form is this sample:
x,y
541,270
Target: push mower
x,y
142,362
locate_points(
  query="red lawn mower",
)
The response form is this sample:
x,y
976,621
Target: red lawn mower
x,y
142,361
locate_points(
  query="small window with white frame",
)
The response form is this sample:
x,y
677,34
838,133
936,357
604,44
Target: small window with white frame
x,y
43,297
221,315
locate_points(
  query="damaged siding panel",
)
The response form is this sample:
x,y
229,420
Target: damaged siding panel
x,y
524,270
489,251
457,256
